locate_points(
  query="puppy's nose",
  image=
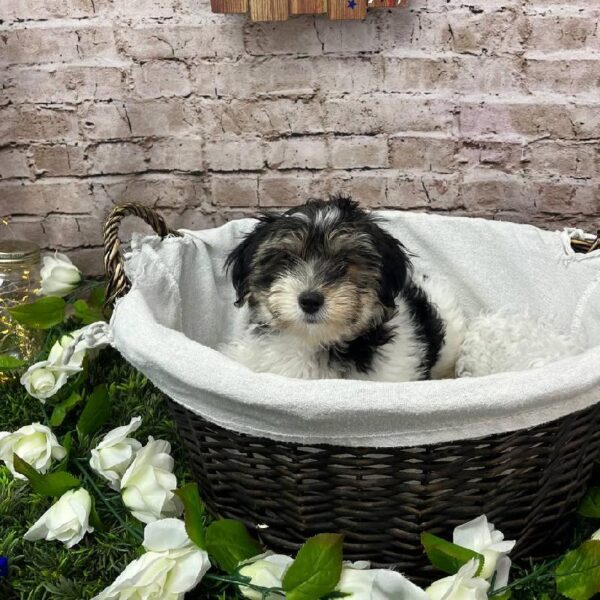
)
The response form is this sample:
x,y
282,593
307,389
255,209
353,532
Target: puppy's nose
x,y
311,302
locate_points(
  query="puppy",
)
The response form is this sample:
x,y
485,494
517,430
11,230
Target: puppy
x,y
333,295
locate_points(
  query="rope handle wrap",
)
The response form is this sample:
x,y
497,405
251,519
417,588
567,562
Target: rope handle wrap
x,y
586,246
117,283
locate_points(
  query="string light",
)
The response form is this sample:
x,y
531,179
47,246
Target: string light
x,y
19,284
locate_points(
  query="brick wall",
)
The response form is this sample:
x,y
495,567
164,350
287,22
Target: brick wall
x,y
488,108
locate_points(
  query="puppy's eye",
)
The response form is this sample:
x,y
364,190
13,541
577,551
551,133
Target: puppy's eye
x,y
337,271
341,269
275,261
285,260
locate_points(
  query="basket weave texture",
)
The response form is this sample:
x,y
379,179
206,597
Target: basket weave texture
x,y
529,482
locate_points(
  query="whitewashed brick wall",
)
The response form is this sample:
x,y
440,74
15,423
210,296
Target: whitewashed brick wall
x,y
488,108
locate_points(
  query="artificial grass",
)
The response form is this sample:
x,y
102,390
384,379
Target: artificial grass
x,y
48,571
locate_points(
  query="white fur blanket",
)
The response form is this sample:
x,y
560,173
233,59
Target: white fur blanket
x,y
507,341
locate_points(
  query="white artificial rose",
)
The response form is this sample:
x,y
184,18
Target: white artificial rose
x,y
113,455
363,583
147,485
35,444
68,352
480,536
171,566
266,570
42,380
59,275
462,586
66,521
72,348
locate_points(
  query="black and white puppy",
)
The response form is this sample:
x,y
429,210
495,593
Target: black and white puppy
x,y
331,294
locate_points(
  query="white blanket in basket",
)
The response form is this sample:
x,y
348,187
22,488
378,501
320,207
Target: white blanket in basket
x,y
180,309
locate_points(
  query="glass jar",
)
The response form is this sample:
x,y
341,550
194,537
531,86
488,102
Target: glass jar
x,y
19,284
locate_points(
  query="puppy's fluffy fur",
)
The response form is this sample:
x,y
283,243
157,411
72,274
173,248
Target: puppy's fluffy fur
x,y
510,340
332,295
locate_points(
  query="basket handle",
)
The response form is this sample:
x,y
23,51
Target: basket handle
x,y
586,246
117,283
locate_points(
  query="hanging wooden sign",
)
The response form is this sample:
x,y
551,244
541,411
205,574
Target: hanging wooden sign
x,y
229,6
280,10
271,10
308,7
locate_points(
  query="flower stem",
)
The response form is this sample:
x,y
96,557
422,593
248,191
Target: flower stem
x,y
537,574
88,478
46,421
263,590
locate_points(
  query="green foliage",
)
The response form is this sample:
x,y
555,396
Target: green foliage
x,y
446,556
95,413
590,507
578,574
87,313
98,296
317,568
10,363
195,519
62,409
47,570
95,520
67,444
51,484
229,543
41,314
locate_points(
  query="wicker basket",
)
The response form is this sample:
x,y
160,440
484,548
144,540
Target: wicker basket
x,y
528,482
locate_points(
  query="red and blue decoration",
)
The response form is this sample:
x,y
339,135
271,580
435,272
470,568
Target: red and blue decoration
x,y
351,3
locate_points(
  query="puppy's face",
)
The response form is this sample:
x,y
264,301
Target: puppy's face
x,y
324,271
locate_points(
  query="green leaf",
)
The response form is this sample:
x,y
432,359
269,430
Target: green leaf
x,y
578,574
590,506
194,514
87,313
67,444
62,409
51,484
41,314
229,543
96,412
446,556
317,568
95,520
98,296
10,363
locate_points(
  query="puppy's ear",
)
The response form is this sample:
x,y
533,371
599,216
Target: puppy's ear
x,y
239,260
395,265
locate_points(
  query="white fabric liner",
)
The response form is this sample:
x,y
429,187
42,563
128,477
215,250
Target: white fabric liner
x,y
180,309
